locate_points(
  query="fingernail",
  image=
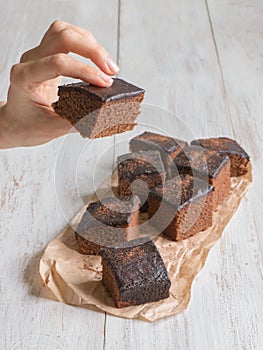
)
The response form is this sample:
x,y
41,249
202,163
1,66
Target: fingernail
x,y
106,78
112,65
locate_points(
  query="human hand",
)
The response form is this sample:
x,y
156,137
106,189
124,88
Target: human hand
x,y
27,118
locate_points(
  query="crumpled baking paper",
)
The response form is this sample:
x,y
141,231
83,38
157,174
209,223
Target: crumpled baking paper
x,y
75,279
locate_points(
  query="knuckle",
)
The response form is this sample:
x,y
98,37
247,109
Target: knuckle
x,y
57,25
24,56
15,72
97,74
98,50
82,68
90,36
87,70
65,39
58,60
66,35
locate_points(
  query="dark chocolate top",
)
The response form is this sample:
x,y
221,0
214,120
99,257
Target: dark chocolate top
x,y
181,190
222,145
135,263
166,143
133,164
200,162
118,90
112,211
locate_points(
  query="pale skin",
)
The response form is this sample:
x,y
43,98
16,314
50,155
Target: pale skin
x,y
27,117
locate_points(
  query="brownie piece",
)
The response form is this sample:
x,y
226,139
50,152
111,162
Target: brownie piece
x,y
168,147
109,222
134,273
238,157
182,207
96,111
138,172
208,165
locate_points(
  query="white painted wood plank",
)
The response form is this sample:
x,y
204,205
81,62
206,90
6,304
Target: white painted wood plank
x,y
238,34
30,214
176,61
239,37
177,64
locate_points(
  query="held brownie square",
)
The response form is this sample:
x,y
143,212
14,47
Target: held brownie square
x,y
109,222
96,111
238,157
210,166
182,207
138,172
134,273
168,147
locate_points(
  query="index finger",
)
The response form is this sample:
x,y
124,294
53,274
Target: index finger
x,y
68,40
63,37
31,74
58,25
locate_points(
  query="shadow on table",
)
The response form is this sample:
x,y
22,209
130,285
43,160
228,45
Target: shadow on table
x,y
33,280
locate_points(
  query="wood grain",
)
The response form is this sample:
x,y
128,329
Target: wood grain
x,y
39,193
183,74
201,65
239,38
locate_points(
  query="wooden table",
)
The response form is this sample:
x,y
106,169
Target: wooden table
x,y
200,60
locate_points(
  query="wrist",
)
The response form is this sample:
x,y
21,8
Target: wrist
x,y
5,128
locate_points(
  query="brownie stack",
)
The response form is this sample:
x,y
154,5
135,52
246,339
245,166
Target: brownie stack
x,y
197,181
180,186
133,272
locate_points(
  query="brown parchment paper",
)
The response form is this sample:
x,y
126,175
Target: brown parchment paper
x,y
76,279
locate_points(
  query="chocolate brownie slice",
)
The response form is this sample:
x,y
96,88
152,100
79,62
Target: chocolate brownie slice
x,y
138,172
182,207
97,112
168,147
238,157
134,273
107,222
208,165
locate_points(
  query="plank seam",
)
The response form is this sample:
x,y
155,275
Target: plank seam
x,y
118,62
256,238
225,96
220,65
118,32
104,332
114,136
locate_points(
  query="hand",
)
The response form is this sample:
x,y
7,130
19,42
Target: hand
x,y
27,118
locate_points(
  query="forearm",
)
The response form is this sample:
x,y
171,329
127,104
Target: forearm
x,y
4,128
